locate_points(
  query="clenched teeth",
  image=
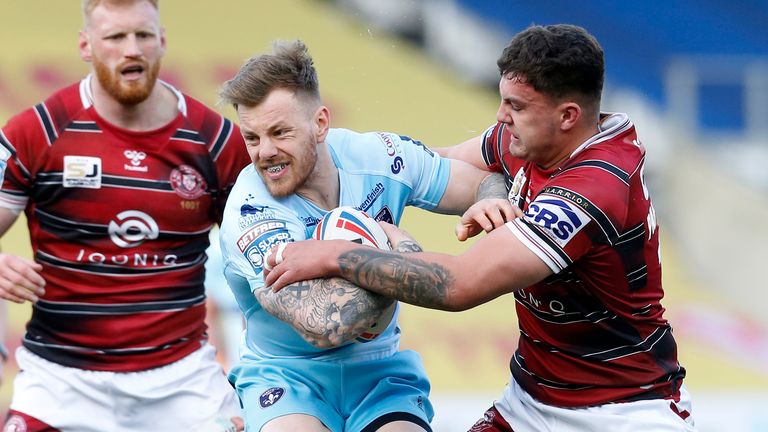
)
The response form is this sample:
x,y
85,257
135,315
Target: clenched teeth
x,y
275,169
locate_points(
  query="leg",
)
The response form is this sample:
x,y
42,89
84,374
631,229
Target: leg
x,y
414,424
388,394
295,422
51,397
288,395
191,394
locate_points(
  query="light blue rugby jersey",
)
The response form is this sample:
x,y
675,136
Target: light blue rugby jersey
x,y
379,173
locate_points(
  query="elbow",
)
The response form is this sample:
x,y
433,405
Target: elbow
x,y
323,341
458,305
460,298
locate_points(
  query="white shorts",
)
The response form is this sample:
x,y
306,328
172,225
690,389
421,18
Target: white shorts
x,y
526,414
191,394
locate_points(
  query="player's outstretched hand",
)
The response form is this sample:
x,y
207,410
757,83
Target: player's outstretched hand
x,y
486,215
304,260
20,279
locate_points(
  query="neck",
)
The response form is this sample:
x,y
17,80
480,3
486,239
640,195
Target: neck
x,y
573,140
159,109
322,186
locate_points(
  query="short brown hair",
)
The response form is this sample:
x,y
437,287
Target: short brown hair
x,y
289,66
557,60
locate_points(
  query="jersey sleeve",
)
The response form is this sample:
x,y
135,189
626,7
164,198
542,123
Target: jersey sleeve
x,y
573,212
246,240
5,153
230,157
21,139
493,142
424,170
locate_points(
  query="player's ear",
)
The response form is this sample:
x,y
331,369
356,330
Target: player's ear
x,y
322,122
570,114
84,45
162,39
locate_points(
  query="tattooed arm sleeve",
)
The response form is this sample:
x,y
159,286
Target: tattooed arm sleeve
x,y
325,312
328,312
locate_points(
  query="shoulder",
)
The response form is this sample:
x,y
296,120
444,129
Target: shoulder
x,y
48,118
385,151
615,151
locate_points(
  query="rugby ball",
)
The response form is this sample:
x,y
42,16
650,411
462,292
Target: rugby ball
x,y
348,223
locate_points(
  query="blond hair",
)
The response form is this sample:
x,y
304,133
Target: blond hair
x,y
90,5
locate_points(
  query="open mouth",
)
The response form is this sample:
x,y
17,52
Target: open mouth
x,y
274,171
132,71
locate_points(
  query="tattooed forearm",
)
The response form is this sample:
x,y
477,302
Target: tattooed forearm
x,y
406,246
410,280
325,312
492,186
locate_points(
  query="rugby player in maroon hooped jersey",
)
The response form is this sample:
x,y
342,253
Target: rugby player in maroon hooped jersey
x,y
121,177
595,352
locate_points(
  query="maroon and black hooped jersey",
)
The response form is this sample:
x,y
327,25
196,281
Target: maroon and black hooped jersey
x,y
119,220
594,331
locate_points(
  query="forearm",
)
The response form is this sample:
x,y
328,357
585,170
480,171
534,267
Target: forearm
x,y
325,312
404,278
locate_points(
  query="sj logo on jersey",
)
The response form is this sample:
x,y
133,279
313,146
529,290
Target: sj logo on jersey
x,y
559,218
82,172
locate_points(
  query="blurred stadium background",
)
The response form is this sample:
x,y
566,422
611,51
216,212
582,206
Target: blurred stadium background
x,y
692,75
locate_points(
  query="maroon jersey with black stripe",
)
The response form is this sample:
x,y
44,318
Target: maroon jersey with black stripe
x,y
119,220
594,331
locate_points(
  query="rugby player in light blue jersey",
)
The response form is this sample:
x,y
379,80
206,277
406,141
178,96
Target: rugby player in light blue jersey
x,y
304,364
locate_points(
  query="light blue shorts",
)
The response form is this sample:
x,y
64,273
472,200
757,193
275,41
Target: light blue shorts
x,y
346,397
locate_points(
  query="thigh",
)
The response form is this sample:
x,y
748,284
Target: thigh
x,y
402,426
295,422
274,392
48,395
190,394
393,390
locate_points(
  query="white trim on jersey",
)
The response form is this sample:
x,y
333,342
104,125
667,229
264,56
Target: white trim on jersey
x,y
526,236
86,94
615,124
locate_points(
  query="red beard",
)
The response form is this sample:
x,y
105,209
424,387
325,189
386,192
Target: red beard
x,y
131,93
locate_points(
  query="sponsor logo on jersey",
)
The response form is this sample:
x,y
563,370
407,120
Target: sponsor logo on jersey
x,y
385,215
82,172
515,192
257,241
250,214
135,157
187,182
561,219
394,151
392,147
310,221
131,228
397,165
129,260
257,231
371,197
271,397
4,155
